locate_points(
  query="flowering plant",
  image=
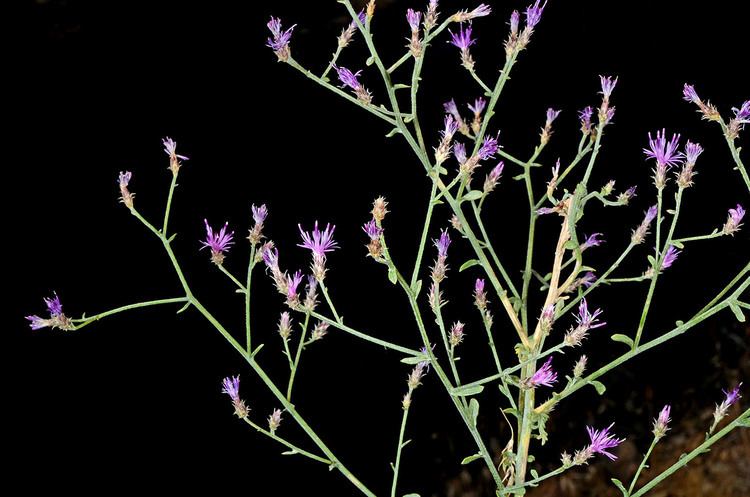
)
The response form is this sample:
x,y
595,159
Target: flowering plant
x,y
566,288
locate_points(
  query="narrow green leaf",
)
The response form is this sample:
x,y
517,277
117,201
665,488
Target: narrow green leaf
x,y
416,287
392,275
619,337
289,453
393,132
467,391
415,359
468,264
473,195
534,473
411,495
677,244
400,86
370,61
600,388
474,411
737,312
651,260
571,245
620,486
467,460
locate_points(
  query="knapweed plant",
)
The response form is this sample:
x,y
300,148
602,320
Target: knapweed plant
x,y
550,309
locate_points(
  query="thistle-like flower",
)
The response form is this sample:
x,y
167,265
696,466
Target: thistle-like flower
x,y
606,113
708,111
459,150
639,234
440,267
311,294
443,150
730,398
56,317
547,319
379,209
285,325
415,44
585,117
481,11
463,41
685,176
348,33
292,295
318,242
665,153
624,197
279,41
544,376
274,420
734,221
349,79
231,386
431,16
585,321
320,330
477,109
592,241
533,16
259,216
661,423
456,334
219,242
493,178
601,442
270,256
547,129
511,44
580,367
374,232
170,148
452,109
741,117
125,196
480,297
669,257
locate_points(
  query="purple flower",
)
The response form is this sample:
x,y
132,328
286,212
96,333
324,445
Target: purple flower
x,y
544,376
625,196
515,17
689,94
292,283
56,317
479,286
586,319
692,151
270,255
496,172
669,257
450,127
481,11
534,14
170,148
279,41
608,84
53,305
592,241
37,323
457,333
734,220
451,108
348,78
219,242
124,179
463,39
443,243
489,148
664,152
232,387
601,441
661,424
587,279
585,117
742,115
459,150
478,107
552,115
413,18
319,242
732,396
259,213
650,214
372,229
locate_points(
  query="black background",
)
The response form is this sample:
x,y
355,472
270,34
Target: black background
x,y
136,400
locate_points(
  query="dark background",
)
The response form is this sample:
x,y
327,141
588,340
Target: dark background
x,y
136,400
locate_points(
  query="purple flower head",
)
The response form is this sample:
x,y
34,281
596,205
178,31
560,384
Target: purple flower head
x,y
259,213
664,152
478,107
669,257
443,243
515,18
231,386
450,127
661,424
689,94
170,148
219,242
692,151
544,376
629,193
592,241
742,115
650,214
609,115
587,279
734,220
496,172
480,11
270,256
348,78
319,242
53,305
459,150
372,229
463,39
552,115
489,147
479,286
413,18
292,283
279,41
451,108
425,364
124,179
586,319
602,440
37,323
608,84
585,115
534,14
732,396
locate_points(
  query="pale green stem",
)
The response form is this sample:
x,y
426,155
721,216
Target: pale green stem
x,y
288,353
735,155
715,234
297,357
491,250
330,65
168,207
328,300
595,153
517,488
642,465
364,336
248,334
237,282
425,232
487,89
397,464
96,317
286,444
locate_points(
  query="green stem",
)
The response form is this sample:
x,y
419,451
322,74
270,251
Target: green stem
x,y
297,357
655,269
400,447
286,444
90,319
595,153
425,232
491,250
487,89
414,90
168,207
715,234
742,420
642,465
237,282
328,300
364,336
735,155
248,334
330,65
516,488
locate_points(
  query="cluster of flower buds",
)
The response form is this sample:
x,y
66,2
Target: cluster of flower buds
x,y
721,411
259,216
350,80
639,234
274,420
125,196
708,111
414,18
585,321
734,221
231,387
318,242
606,113
279,41
374,229
443,150
666,155
517,41
547,129
56,317
456,334
544,376
285,326
492,179
580,367
431,16
348,33
319,331
601,442
218,241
